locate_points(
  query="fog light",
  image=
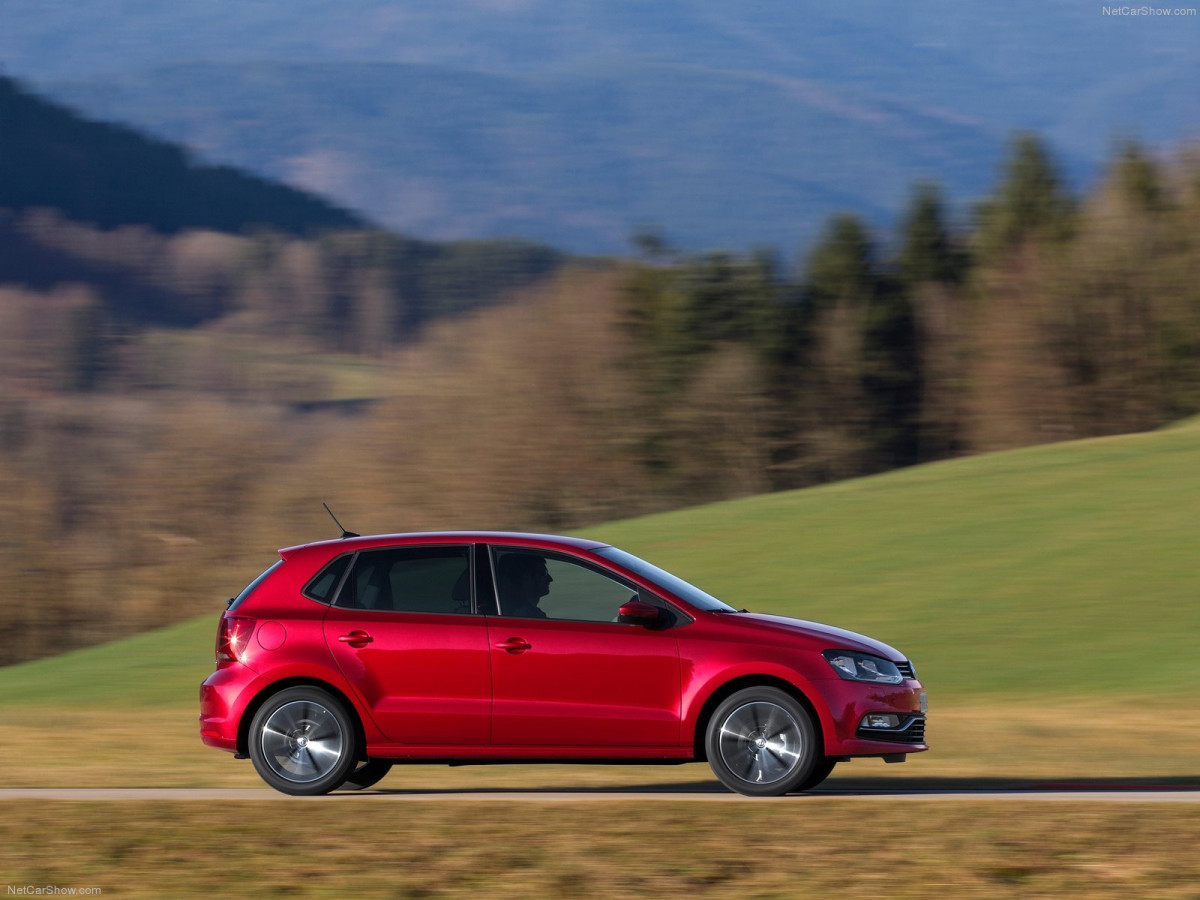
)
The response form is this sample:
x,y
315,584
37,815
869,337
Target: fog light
x,y
880,720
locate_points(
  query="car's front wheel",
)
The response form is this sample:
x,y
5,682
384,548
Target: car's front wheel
x,y
367,774
302,741
822,770
762,742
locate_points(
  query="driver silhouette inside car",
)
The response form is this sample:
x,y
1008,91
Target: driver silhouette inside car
x,y
523,582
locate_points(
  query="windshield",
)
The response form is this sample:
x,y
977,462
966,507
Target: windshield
x,y
666,580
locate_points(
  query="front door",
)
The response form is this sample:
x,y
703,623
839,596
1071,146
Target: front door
x,y
565,673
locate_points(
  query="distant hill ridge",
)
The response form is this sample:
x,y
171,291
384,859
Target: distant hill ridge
x,y
92,204
731,125
578,159
110,175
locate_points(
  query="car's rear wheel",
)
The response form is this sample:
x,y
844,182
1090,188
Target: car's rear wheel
x,y
367,774
762,742
302,741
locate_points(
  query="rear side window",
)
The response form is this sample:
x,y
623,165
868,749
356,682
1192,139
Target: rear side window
x,y
325,582
249,589
410,579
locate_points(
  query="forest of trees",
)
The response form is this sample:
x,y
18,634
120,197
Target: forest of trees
x,y
1047,317
351,291
171,406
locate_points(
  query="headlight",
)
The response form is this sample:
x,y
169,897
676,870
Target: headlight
x,y
861,667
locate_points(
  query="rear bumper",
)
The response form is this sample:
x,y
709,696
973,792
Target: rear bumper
x,y
223,697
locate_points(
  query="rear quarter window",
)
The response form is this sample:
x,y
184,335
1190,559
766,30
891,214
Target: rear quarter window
x,y
325,583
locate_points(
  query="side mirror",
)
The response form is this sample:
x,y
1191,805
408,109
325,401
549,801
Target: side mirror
x,y
638,612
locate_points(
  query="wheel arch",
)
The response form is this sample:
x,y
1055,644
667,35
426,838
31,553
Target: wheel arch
x,y
731,687
252,708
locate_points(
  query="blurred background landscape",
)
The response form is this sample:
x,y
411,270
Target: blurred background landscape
x,y
521,265
886,315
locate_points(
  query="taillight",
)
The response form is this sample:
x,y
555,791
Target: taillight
x,y
233,634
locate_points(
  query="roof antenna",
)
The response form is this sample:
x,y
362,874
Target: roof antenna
x,y
345,533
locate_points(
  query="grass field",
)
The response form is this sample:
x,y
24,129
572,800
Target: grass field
x,y
1047,596
1071,569
824,848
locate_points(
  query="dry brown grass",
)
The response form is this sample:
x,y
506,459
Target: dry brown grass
x,y
1071,740
821,847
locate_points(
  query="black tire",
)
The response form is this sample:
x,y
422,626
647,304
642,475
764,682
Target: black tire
x,y
761,742
820,772
303,741
367,774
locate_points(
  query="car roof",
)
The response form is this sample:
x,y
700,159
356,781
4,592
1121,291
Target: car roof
x,y
519,538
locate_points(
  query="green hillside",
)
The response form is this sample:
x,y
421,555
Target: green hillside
x,y
1069,568
1060,570
160,668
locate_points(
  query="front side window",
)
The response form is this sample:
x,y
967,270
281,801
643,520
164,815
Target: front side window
x,y
410,579
535,585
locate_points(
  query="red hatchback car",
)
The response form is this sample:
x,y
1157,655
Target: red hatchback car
x,y
351,655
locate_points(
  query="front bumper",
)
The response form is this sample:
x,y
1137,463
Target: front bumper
x,y
909,730
850,701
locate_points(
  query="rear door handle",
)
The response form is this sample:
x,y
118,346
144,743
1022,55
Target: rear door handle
x,y
356,639
514,645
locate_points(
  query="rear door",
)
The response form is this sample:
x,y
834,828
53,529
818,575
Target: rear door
x,y
404,633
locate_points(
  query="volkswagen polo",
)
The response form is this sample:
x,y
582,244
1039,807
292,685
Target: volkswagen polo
x,y
349,656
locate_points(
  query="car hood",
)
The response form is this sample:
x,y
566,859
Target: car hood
x,y
838,638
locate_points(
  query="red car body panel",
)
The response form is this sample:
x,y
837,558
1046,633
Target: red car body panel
x,y
584,684
483,687
423,679
228,695
744,649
